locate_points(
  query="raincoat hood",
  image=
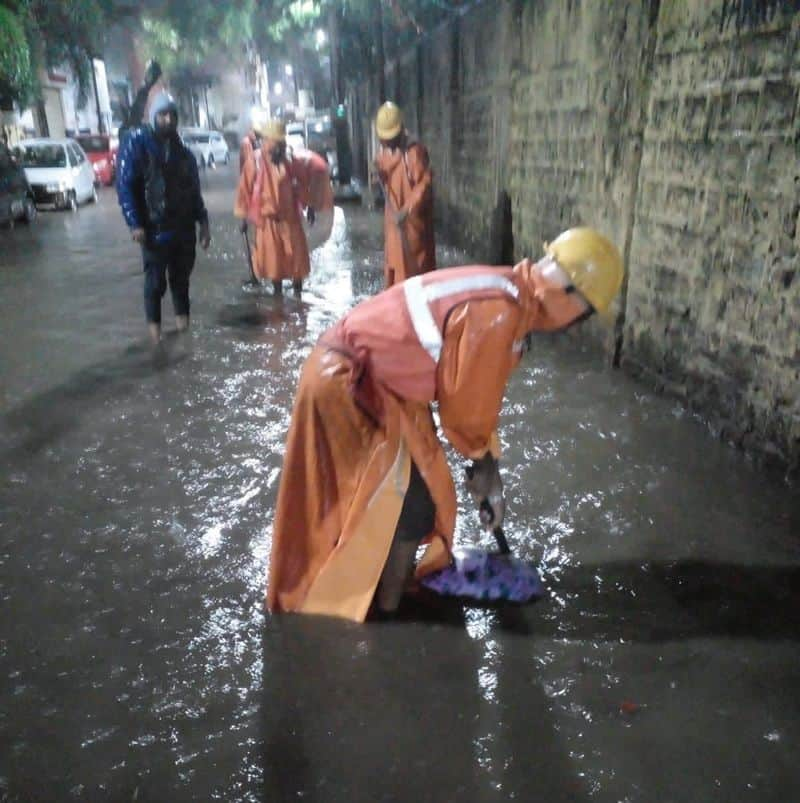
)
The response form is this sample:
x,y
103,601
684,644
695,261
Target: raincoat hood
x,y
546,306
162,102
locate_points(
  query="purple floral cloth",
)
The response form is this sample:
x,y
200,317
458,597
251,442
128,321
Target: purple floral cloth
x,y
486,576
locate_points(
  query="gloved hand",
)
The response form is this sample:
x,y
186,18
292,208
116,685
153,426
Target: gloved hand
x,y
486,489
311,216
243,226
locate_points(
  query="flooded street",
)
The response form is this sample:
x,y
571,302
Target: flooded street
x,y
137,491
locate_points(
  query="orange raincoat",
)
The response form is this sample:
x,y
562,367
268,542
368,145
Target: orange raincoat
x,y
280,249
312,181
362,414
407,181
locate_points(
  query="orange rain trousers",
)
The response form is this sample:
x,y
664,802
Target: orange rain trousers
x,y
344,480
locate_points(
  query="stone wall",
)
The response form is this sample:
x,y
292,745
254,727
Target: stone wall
x,y
713,304
672,126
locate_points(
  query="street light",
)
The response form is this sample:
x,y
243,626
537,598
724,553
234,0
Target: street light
x,y
278,88
320,37
288,70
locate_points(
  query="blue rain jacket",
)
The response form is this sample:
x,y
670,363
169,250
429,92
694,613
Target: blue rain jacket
x,y
158,186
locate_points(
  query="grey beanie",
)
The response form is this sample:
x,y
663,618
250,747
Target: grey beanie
x,y
162,102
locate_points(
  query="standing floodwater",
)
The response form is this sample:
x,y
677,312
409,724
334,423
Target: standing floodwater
x,y
136,499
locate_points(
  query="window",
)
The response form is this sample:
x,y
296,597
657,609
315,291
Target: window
x,y
44,156
94,144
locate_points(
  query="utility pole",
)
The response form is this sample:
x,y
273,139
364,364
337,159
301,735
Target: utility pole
x,y
380,57
101,123
344,158
333,38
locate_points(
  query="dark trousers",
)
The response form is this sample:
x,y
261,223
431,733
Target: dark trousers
x,y
416,520
174,261
418,513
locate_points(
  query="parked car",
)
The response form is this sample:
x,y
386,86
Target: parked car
x,y
59,172
101,150
208,147
16,196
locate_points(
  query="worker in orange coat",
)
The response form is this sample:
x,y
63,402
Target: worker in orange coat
x,y
405,173
250,144
265,196
312,178
365,479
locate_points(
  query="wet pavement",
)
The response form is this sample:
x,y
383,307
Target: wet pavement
x,y
136,496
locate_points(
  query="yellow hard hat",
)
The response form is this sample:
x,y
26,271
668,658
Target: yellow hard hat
x,y
272,129
389,120
593,263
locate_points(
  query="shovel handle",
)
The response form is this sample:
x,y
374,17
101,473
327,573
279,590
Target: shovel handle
x,y
487,515
500,537
249,255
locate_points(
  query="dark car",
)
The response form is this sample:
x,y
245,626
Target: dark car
x,y
16,197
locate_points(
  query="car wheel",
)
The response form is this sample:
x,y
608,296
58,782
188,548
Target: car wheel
x,y
30,211
211,160
94,199
202,163
227,158
72,202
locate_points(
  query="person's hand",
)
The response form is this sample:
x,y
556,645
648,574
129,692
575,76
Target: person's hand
x,y
243,226
486,489
138,236
205,236
152,74
311,216
400,217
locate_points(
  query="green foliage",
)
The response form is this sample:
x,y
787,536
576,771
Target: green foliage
x,y
284,26
70,32
47,32
17,78
182,35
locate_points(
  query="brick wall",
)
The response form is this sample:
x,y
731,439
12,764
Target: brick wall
x,y
673,130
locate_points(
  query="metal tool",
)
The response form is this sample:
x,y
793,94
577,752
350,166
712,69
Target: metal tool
x,y
253,279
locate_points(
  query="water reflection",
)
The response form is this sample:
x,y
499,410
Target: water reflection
x,y
137,501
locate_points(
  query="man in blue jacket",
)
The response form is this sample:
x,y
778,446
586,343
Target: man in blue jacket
x,y
159,191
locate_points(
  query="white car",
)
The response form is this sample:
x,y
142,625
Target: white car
x,y
59,172
296,135
208,147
